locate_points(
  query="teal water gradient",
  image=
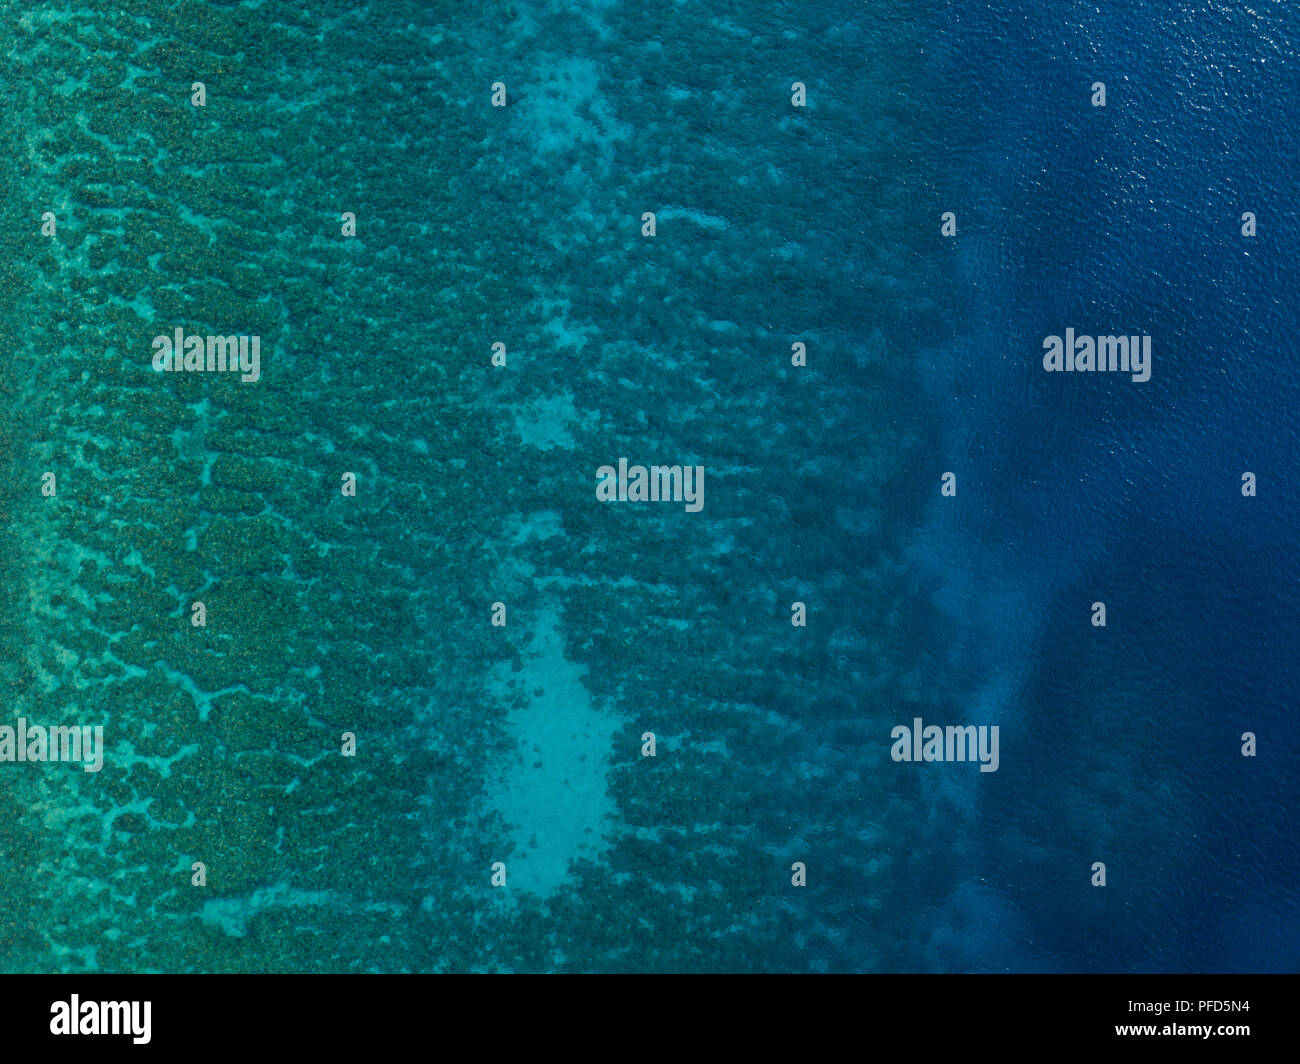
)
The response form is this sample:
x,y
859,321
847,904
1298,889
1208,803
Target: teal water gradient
x,y
371,614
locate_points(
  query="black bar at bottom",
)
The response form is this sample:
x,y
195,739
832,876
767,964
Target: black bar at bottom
x,y
613,1015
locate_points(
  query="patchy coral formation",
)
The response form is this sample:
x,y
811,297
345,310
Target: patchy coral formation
x,y
327,613
481,745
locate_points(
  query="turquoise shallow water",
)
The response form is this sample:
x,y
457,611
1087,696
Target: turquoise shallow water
x,y
372,614
326,613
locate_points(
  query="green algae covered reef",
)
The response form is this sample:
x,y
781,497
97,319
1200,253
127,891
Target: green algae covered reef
x,y
369,613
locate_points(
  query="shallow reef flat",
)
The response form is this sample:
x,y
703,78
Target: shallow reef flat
x,y
370,614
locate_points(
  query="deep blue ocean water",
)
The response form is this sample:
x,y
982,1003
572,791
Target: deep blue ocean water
x,y
1127,218
520,747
